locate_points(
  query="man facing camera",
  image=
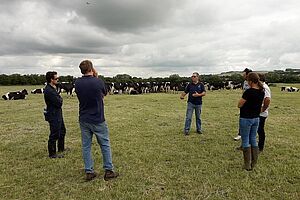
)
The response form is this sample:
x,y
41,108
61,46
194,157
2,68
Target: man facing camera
x,y
53,114
196,91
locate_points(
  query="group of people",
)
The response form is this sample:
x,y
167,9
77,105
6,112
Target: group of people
x,y
253,106
91,90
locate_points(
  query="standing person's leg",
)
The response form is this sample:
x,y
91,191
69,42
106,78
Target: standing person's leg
x,y
254,147
86,140
198,109
238,137
188,118
261,133
61,138
53,137
245,127
102,133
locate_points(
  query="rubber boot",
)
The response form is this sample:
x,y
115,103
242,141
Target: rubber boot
x,y
247,158
255,152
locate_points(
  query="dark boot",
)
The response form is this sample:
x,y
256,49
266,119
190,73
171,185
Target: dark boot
x,y
247,158
51,149
255,152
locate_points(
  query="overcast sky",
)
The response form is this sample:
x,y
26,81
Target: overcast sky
x,y
147,38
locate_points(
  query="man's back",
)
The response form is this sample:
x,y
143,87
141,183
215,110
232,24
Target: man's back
x,y
90,92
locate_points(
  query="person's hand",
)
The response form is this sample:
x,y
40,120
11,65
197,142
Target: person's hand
x,y
196,94
95,73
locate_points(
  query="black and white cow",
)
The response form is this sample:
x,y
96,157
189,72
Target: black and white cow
x,y
289,89
37,91
15,95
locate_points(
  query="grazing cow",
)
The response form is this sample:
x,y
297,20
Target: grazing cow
x,y
145,87
154,87
119,87
37,91
289,89
65,86
15,95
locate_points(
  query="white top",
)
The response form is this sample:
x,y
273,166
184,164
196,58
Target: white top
x,y
267,94
246,86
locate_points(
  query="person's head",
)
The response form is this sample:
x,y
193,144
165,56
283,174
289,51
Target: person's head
x,y
195,77
246,72
253,79
86,66
51,77
262,77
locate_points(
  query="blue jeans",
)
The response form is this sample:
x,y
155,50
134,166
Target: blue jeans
x,y
102,135
189,113
248,130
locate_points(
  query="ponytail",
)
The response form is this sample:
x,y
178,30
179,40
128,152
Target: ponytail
x,y
253,77
260,85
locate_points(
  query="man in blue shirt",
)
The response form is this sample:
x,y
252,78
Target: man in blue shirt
x,y
196,91
90,92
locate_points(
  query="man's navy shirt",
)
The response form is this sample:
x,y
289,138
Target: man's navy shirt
x,y
192,88
90,92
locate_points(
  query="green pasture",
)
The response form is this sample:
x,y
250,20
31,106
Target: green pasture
x,y
155,160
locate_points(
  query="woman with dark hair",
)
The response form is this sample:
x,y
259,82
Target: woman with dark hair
x,y
250,107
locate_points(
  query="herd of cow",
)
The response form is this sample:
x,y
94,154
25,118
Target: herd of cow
x,y
136,88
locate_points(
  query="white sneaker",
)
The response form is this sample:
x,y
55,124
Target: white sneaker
x,y
237,138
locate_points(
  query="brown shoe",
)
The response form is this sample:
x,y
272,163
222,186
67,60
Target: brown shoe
x,y
109,174
90,176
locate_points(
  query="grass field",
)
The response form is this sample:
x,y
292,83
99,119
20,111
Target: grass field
x,y
154,158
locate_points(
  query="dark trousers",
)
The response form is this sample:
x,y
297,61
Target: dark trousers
x,y
57,133
261,133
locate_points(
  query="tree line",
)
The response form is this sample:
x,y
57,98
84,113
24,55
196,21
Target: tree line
x,y
37,79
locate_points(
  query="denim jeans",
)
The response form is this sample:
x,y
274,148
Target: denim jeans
x,y
189,113
248,130
102,135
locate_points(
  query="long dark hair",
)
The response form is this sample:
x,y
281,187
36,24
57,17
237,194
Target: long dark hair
x,y
252,76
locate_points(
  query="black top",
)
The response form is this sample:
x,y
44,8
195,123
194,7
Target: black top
x,y
90,92
252,106
192,88
54,103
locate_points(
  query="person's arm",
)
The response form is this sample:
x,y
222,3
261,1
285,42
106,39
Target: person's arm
x,y
203,93
182,95
199,94
103,87
266,104
186,90
54,98
241,102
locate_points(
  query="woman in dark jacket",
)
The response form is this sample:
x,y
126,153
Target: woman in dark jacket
x,y
250,107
